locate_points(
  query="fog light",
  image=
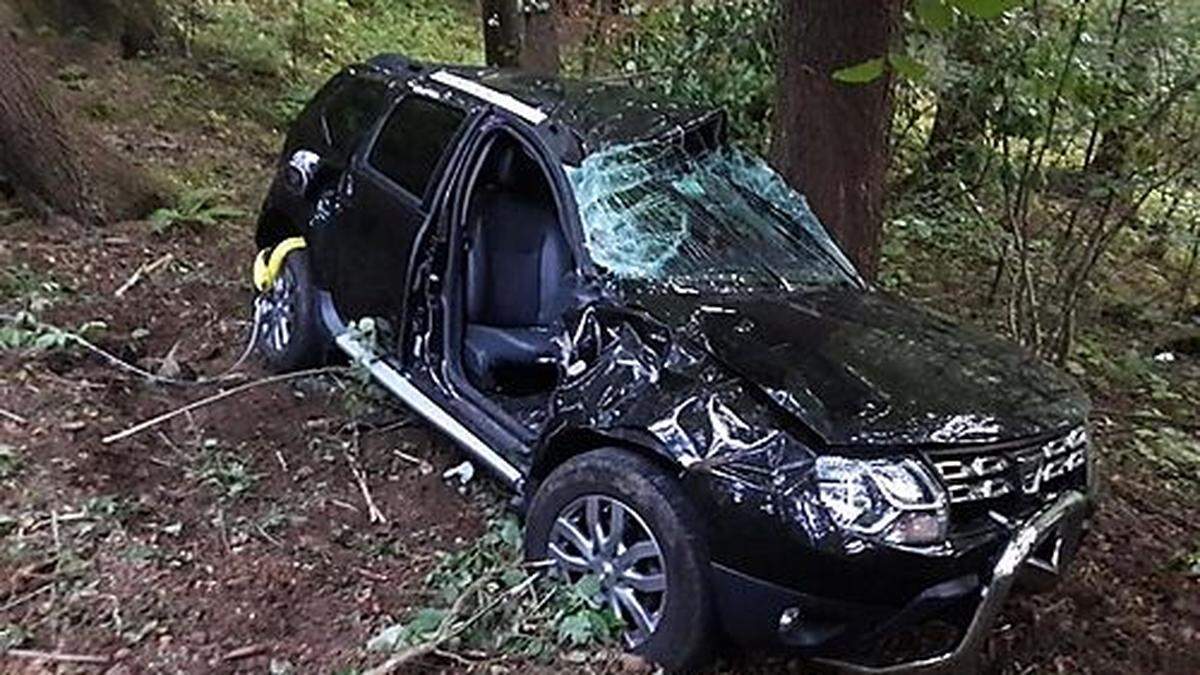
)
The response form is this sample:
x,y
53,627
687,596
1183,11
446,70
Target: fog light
x,y
915,527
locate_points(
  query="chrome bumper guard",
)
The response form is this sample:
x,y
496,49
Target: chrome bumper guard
x,y
1060,520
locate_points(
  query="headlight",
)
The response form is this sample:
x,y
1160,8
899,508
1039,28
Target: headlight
x,y
891,500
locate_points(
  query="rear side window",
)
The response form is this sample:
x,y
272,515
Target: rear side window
x,y
352,109
413,141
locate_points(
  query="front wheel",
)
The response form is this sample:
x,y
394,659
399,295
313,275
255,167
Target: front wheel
x,y
289,331
620,517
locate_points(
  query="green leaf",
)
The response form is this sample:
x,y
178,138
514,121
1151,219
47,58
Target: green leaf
x,y
985,9
575,628
907,66
588,587
387,639
510,533
935,15
860,73
427,620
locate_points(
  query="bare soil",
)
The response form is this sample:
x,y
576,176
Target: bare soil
x,y
237,539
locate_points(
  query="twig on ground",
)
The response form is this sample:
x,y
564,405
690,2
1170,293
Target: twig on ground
x,y
245,652
222,531
155,421
390,426
56,518
448,629
373,513
144,270
56,656
13,416
422,464
457,658
373,576
13,604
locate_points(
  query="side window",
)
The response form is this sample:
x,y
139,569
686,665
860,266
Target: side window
x,y
352,109
413,140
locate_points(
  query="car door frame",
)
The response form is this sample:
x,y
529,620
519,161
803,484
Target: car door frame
x,y
497,121
425,205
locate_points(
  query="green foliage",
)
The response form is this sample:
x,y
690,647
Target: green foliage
x,y
24,332
985,9
721,54
29,290
907,66
12,636
305,40
195,208
1069,151
860,73
484,598
1175,452
10,461
227,474
934,14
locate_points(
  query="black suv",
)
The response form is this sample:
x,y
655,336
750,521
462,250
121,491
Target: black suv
x,y
648,336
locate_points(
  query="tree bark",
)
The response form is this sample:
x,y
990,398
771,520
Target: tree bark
x,y
539,47
831,138
134,24
55,166
501,32
521,34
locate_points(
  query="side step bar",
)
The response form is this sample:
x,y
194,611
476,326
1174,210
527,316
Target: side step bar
x,y
397,384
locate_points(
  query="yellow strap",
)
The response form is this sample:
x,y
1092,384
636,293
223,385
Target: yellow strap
x,y
268,262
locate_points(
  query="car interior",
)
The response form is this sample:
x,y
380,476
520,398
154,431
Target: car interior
x,y
516,271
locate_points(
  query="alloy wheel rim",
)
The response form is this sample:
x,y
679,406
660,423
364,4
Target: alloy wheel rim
x,y
277,320
599,535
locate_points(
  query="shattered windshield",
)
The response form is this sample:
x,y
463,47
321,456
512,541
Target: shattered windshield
x,y
717,218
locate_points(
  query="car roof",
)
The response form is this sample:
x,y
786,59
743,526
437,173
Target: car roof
x,y
600,114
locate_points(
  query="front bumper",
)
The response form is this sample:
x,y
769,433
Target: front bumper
x,y
849,636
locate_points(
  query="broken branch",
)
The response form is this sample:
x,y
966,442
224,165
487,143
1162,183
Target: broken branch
x,y
13,416
56,656
143,270
208,400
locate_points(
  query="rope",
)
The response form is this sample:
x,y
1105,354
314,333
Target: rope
x,y
126,366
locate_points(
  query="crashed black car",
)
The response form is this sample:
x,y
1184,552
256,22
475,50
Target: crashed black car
x,y
649,337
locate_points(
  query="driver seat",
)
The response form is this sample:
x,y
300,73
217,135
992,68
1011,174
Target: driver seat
x,y
516,272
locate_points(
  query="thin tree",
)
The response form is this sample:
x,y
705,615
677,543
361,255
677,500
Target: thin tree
x,y
501,32
830,137
521,34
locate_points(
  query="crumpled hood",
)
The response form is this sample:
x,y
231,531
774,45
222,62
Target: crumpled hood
x,y
863,368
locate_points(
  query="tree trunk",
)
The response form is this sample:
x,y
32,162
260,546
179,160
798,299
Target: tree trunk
x,y
957,127
54,166
521,34
831,138
539,47
501,32
134,24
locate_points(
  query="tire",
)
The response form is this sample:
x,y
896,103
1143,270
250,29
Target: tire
x,y
682,639
290,336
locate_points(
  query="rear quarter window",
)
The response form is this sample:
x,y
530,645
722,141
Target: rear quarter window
x,y
413,140
354,106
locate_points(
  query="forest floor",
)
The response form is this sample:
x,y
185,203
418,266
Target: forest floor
x,y
237,538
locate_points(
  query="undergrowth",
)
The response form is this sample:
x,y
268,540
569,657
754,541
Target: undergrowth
x,y
484,599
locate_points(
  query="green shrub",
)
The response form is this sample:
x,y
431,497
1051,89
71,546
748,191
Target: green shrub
x,y
721,54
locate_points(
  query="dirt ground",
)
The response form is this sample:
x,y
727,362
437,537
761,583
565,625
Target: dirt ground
x,y
237,538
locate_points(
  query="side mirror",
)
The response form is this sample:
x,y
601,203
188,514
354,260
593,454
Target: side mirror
x,y
301,168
